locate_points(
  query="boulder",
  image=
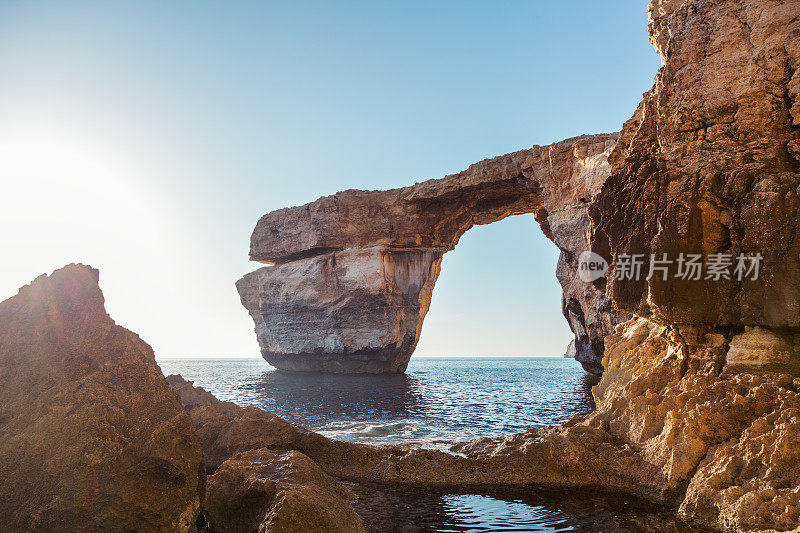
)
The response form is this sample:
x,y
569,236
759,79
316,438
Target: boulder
x,y
278,492
92,438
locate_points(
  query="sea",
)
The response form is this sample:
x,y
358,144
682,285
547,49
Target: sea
x,y
436,400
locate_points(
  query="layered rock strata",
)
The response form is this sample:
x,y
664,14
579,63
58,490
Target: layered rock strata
x,y
354,272
92,438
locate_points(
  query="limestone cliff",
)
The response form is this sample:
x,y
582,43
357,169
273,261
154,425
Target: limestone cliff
x,y
709,163
354,272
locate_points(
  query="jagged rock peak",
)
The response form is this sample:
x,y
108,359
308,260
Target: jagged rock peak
x,y
92,438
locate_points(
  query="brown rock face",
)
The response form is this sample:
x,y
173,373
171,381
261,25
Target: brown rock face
x,y
709,164
355,271
227,428
91,436
263,490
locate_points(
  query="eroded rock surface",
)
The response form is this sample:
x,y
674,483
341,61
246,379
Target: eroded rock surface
x,y
355,271
91,436
278,492
709,164
226,428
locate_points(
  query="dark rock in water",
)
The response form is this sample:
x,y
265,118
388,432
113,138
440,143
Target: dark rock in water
x,y
92,438
354,272
279,492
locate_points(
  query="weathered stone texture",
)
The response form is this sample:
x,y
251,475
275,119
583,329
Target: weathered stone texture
x,y
278,492
709,164
92,438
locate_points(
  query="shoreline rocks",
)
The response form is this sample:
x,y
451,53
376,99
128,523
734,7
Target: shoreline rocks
x,y
279,492
675,424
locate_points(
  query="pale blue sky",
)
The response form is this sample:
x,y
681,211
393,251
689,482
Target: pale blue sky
x,y
147,138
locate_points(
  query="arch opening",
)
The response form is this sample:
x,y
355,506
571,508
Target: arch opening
x,y
497,296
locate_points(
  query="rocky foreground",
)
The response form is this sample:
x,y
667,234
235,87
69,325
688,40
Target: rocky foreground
x,y
675,424
94,438
91,436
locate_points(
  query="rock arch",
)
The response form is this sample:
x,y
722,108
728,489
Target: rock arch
x,y
353,273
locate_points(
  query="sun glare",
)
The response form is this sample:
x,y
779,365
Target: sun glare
x,y
63,201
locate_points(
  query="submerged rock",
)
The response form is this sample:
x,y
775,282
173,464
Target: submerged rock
x,y
91,436
354,272
278,492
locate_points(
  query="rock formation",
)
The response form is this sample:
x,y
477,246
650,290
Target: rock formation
x,y
675,424
278,492
698,407
354,272
569,353
709,163
227,428
92,438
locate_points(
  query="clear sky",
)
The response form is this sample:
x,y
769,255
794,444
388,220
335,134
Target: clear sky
x,y
147,138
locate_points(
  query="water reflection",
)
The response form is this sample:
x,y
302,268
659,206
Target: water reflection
x,y
315,400
529,509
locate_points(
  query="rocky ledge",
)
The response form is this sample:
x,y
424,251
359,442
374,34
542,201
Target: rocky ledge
x,y
354,272
676,423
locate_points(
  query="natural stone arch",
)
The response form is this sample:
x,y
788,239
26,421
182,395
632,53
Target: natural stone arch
x,y
354,272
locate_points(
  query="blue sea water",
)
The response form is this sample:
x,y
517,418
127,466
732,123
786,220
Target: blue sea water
x,y
436,399
439,399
